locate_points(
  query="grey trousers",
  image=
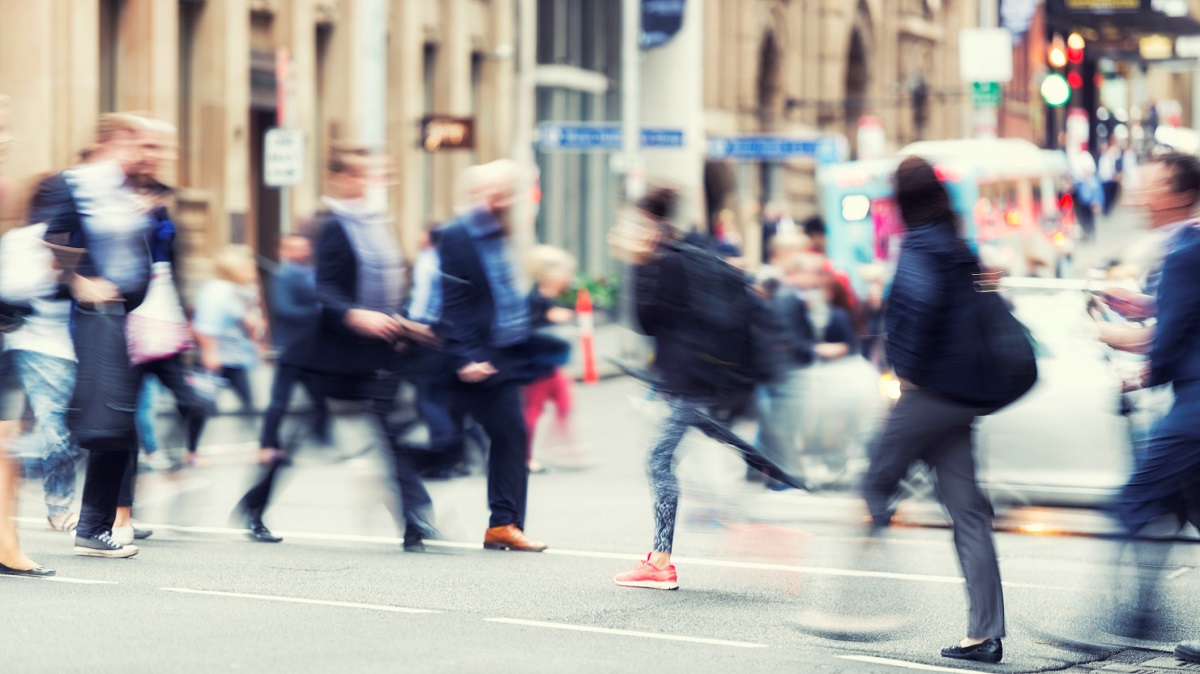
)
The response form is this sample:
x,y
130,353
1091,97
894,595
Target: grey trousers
x,y
926,427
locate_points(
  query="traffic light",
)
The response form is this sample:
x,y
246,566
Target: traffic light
x,y
1057,54
1056,92
1075,80
1075,45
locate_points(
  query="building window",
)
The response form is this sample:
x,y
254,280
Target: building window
x,y
430,91
189,21
110,33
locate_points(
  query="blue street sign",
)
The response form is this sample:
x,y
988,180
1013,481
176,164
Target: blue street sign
x,y
772,148
602,136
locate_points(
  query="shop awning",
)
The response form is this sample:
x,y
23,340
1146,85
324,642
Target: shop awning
x,y
1129,17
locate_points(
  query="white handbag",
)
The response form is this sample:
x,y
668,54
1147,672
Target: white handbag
x,y
158,329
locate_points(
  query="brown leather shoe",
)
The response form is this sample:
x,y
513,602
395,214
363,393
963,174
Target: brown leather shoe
x,y
509,537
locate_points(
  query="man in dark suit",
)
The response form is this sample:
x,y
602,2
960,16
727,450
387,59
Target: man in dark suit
x,y
485,324
1172,457
355,350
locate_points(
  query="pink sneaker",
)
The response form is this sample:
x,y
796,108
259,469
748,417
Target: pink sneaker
x,y
648,575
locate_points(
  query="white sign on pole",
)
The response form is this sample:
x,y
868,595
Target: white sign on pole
x,y
283,157
985,54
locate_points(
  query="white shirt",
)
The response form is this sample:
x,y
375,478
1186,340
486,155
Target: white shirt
x,y
27,274
114,222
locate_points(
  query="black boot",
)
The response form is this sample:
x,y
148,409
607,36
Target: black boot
x,y
990,651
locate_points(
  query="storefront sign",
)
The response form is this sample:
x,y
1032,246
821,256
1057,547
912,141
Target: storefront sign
x,y
1103,5
1156,47
661,20
439,133
600,136
773,148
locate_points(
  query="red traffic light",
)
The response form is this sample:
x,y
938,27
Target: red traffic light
x,y
1075,80
1066,202
1075,46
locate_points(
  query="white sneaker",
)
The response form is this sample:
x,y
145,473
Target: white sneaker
x,y
123,535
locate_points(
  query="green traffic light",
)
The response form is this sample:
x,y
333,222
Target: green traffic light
x,y
1056,92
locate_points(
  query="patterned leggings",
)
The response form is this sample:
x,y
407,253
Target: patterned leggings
x,y
686,413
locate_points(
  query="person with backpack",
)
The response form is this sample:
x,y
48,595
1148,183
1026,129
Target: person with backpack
x,y
702,314
958,358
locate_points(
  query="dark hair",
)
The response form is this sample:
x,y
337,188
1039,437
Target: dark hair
x,y
659,203
813,226
921,196
1185,173
344,157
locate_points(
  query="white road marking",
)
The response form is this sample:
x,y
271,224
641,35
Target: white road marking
x,y
63,579
621,556
298,600
904,664
626,633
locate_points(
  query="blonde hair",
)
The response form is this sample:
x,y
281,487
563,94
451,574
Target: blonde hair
x,y
232,261
545,260
112,125
790,242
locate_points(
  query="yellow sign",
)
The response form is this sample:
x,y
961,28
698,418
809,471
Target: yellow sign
x,y
1103,5
1156,47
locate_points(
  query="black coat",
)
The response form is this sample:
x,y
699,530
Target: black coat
x,y
930,324
330,346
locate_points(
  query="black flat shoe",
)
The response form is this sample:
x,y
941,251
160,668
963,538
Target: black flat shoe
x,y
414,544
990,651
36,572
259,532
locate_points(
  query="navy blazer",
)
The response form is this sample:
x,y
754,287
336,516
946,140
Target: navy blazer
x,y
930,323
330,346
1175,352
467,307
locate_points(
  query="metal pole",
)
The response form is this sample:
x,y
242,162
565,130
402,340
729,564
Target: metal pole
x,y
525,120
631,99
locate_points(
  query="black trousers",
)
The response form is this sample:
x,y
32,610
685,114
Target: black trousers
x,y
102,486
416,505
194,412
286,378
239,381
498,408
939,432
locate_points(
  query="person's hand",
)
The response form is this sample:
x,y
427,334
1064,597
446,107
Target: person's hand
x,y
1131,340
374,324
474,373
560,315
830,351
1129,304
255,326
94,290
419,332
1136,382
210,360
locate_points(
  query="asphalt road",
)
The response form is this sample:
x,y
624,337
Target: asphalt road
x,y
770,581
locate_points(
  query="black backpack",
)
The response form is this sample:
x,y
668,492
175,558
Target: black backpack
x,y
1003,351
726,325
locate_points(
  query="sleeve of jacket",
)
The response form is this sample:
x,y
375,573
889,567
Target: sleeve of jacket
x,y
917,300
54,205
337,274
292,297
461,327
1178,314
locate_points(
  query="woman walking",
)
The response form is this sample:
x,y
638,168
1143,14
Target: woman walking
x,y
930,343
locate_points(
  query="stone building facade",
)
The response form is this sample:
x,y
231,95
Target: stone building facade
x,y
818,66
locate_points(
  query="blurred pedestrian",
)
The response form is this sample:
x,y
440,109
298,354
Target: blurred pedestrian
x,y
553,273
776,222
294,308
1111,172
814,229
229,322
353,350
486,327
12,560
933,327
42,355
101,236
1089,195
700,312
158,334
1151,499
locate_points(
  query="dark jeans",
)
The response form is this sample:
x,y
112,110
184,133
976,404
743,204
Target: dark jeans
x,y
499,410
286,378
929,428
239,381
415,503
1112,191
442,411
102,488
173,375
